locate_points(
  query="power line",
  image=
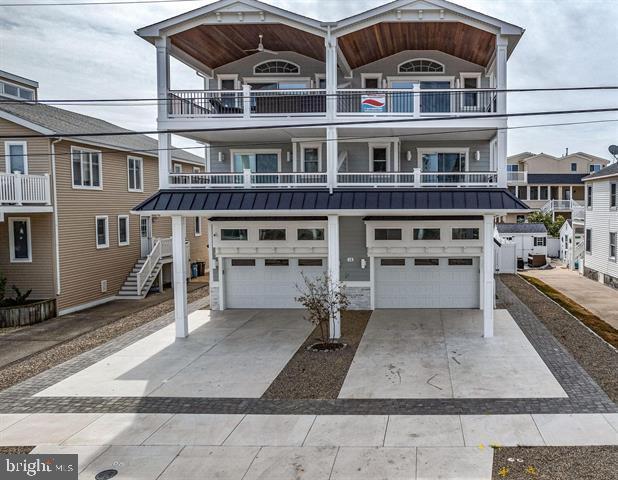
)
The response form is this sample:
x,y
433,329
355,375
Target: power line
x,y
308,125
353,92
69,4
341,139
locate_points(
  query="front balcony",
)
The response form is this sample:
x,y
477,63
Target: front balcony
x,y
20,190
408,103
520,177
413,179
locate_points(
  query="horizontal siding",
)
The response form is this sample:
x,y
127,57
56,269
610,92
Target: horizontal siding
x,y
37,275
37,149
601,220
353,245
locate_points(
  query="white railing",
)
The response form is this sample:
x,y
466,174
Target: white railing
x,y
206,179
303,179
561,206
247,179
517,177
149,265
418,179
578,252
19,189
166,246
413,102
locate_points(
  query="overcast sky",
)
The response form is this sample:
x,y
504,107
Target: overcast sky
x,y
81,52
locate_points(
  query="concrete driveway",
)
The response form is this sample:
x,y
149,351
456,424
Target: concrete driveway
x,y
235,353
594,296
441,354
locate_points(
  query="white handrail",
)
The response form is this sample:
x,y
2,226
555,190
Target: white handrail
x,y
148,267
19,189
418,179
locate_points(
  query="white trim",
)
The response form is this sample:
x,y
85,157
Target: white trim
x,y
462,77
197,223
128,241
318,77
420,73
24,145
96,231
25,123
372,146
465,150
417,79
84,306
228,76
12,220
274,79
233,152
197,169
176,165
4,81
306,146
141,173
278,73
86,187
365,76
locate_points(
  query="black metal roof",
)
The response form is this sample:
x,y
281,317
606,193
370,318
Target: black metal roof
x,y
555,178
521,228
341,199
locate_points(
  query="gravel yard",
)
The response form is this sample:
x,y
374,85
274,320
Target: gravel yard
x,y
550,463
320,375
39,362
597,357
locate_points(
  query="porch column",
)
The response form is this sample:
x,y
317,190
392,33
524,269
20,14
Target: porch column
x,y
165,160
333,267
331,157
163,82
488,276
501,58
501,146
179,259
331,74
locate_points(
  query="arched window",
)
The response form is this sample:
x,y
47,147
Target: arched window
x,y
421,65
276,66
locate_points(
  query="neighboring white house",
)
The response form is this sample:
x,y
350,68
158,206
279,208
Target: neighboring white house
x,y
572,244
530,238
601,242
384,166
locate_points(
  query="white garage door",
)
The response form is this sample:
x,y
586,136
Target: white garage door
x,y
427,282
267,283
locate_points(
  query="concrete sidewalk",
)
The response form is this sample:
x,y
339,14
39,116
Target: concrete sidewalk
x,y
25,341
594,296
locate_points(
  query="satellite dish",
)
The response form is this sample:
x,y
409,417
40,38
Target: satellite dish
x,y
613,149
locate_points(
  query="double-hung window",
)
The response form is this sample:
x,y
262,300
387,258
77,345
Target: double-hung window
x,y
102,231
135,167
20,242
87,168
588,240
540,241
589,196
613,195
612,246
379,158
198,226
123,230
16,157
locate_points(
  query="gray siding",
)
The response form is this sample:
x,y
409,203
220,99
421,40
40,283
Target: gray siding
x,y
352,244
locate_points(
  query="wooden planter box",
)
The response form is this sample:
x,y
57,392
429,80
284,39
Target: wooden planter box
x,y
28,314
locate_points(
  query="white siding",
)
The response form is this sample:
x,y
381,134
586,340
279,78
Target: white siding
x,y
601,220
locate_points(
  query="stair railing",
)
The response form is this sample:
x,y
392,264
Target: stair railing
x,y
148,267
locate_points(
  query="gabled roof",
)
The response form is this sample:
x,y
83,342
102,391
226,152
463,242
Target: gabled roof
x,y
609,171
50,120
521,228
529,156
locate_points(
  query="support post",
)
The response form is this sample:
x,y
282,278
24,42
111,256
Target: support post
x,y
331,157
488,276
165,160
501,59
246,101
417,177
160,280
19,195
333,268
501,149
163,77
330,43
416,100
179,259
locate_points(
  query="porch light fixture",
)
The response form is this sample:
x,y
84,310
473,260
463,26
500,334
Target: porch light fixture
x,y
221,157
477,155
363,264
409,156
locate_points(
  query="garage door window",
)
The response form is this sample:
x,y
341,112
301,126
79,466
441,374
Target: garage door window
x,y
309,262
310,234
459,262
277,262
243,262
234,234
426,234
426,262
387,233
465,233
393,262
272,234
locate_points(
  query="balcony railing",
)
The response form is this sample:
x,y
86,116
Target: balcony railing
x,y
19,189
563,206
247,103
517,177
416,178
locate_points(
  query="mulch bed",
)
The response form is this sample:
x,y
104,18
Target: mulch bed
x,y
551,463
320,375
598,358
25,368
15,450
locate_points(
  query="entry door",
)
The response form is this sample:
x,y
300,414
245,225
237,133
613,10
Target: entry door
x,y
402,102
145,234
435,102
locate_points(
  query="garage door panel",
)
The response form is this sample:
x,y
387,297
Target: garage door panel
x,y
427,286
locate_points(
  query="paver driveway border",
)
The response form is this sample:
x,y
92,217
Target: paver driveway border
x,y
584,395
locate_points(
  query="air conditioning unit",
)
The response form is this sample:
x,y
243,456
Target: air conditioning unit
x,y
103,286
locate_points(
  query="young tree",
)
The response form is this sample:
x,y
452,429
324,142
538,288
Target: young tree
x,y
324,299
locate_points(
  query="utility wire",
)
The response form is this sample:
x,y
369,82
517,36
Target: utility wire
x,y
353,92
68,4
306,125
340,139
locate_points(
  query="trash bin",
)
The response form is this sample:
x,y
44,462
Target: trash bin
x,y
193,270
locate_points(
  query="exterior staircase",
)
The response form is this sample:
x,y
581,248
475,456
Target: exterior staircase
x,y
553,206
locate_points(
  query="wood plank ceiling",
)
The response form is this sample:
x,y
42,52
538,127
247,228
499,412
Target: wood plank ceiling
x,y
385,39
217,45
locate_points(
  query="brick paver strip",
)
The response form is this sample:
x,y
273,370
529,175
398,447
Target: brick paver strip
x,y
584,395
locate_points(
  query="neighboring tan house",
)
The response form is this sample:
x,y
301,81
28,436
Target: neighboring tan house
x,y
551,184
338,164
601,237
66,230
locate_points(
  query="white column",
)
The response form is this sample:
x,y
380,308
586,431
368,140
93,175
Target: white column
x,y
294,157
331,157
331,74
501,59
180,276
488,276
165,160
333,267
500,154
163,76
